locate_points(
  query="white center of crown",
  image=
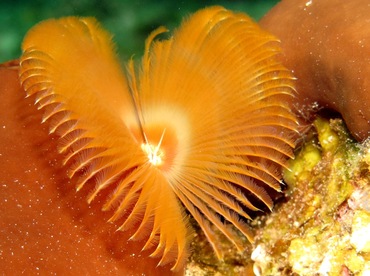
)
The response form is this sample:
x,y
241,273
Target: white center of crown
x,y
153,152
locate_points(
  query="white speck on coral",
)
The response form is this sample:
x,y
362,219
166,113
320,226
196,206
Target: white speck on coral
x,y
360,238
261,259
258,253
325,266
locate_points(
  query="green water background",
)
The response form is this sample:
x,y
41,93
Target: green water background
x,y
130,21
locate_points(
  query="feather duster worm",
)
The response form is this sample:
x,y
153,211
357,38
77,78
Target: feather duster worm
x,y
202,122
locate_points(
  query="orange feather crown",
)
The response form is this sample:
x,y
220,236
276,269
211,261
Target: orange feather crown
x,y
203,120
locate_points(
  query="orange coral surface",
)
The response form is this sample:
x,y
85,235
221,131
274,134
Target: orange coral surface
x,y
326,43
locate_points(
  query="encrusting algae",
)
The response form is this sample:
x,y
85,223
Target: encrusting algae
x,y
323,227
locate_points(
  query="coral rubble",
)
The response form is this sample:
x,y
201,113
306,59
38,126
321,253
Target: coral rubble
x,y
322,227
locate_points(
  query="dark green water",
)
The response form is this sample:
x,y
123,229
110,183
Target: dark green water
x,y
129,20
